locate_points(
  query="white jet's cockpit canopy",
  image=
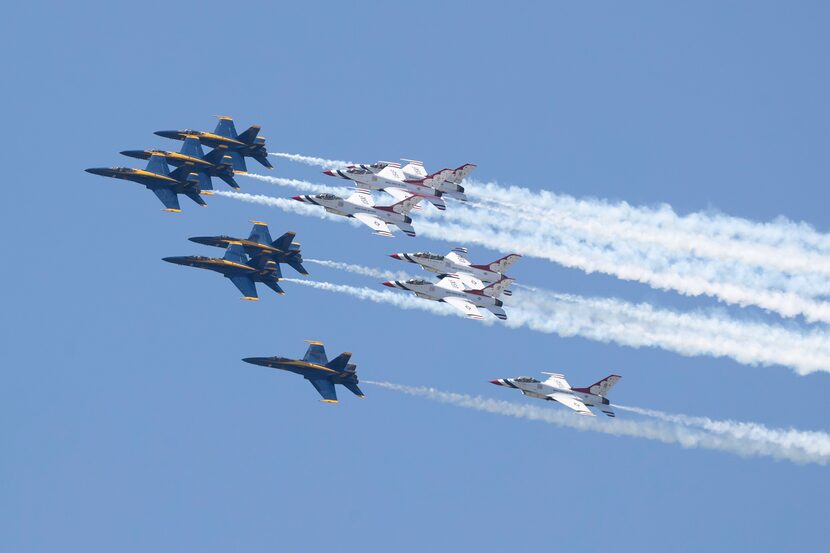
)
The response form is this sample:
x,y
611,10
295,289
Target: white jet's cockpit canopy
x,y
525,379
358,171
427,255
417,281
326,196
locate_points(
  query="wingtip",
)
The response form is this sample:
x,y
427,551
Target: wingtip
x,y
328,401
249,298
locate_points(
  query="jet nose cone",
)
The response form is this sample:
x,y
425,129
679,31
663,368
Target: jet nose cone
x,y
177,260
328,172
395,255
298,198
167,134
496,382
263,361
389,283
103,171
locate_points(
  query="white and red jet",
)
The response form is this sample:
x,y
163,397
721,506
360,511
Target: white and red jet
x,y
361,206
452,183
456,263
556,388
394,182
458,293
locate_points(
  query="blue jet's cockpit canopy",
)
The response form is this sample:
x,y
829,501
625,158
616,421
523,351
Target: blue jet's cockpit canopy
x,y
525,379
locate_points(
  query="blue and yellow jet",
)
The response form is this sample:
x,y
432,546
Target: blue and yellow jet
x,y
158,178
317,369
240,146
217,163
236,267
259,246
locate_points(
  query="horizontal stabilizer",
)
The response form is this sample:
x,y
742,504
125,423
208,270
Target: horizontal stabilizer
x,y
272,284
352,387
297,266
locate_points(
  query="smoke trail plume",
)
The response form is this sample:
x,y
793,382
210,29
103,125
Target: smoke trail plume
x,y
313,161
601,246
303,186
816,444
661,431
361,270
635,325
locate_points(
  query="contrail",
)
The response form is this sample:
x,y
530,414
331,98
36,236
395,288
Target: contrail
x,y
361,269
737,285
286,204
814,443
635,325
661,431
303,186
313,161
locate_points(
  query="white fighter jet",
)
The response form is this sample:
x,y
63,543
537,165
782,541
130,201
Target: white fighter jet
x,y
414,170
394,182
456,263
556,388
361,206
457,292
452,184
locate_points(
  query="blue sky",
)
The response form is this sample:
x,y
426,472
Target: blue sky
x,y
128,421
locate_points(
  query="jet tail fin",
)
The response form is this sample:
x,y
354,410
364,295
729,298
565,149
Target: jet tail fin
x,y
602,387
262,158
273,285
285,241
341,362
250,134
297,266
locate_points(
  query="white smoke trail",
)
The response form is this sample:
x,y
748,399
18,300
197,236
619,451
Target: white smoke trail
x,y
496,231
811,442
787,295
286,204
361,269
313,161
745,446
303,186
636,325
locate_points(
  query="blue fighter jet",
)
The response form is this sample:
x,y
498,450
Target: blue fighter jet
x,y
217,163
240,146
317,369
259,246
158,178
236,267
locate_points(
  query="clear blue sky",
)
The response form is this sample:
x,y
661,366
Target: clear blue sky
x,y
129,423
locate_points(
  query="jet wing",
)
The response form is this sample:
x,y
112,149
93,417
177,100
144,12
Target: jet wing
x,y
246,286
470,310
316,353
169,198
399,194
469,281
380,228
326,389
570,401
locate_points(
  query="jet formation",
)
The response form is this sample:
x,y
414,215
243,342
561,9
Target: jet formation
x,y
466,286
317,369
556,388
194,169
247,262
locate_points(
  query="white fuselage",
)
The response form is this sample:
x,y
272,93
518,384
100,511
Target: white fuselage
x,y
447,287
440,264
542,390
348,208
392,178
